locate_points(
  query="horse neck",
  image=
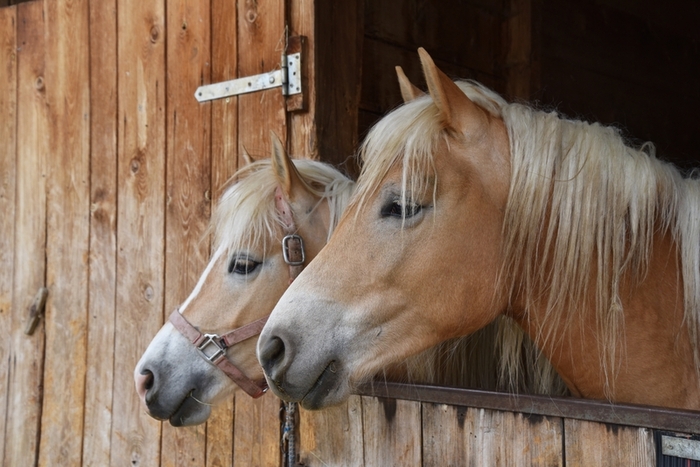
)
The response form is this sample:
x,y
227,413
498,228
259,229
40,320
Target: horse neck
x,y
650,361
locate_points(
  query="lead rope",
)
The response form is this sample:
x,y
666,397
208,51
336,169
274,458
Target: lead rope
x,y
288,433
293,250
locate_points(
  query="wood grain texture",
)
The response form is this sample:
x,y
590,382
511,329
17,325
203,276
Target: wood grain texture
x,y
188,180
25,394
455,436
593,444
392,431
256,431
8,174
517,49
224,162
301,141
334,92
224,112
260,35
102,279
332,436
220,434
68,223
140,220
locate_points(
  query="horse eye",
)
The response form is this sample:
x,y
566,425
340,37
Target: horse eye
x,y
242,266
396,209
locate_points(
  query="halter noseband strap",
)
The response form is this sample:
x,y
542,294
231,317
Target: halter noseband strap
x,y
212,348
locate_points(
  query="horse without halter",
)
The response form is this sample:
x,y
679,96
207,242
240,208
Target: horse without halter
x,y
468,208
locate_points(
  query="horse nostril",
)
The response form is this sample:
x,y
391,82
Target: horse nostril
x,y
148,383
144,383
272,355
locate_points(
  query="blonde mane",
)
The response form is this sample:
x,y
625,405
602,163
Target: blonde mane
x,y
576,188
246,214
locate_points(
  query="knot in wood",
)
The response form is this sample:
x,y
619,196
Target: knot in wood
x,y
155,32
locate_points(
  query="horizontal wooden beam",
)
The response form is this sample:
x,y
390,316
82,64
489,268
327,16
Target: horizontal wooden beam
x,y
661,418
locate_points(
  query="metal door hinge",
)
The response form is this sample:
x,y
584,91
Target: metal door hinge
x,y
288,77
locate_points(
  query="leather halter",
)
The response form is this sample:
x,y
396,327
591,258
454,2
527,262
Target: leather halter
x,y
212,347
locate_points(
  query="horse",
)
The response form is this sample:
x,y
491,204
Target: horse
x,y
272,212
272,219
468,208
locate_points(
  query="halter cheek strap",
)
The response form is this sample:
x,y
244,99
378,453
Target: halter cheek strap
x,y
212,348
292,243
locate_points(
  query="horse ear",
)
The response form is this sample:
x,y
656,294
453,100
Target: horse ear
x,y
285,171
247,158
456,108
408,90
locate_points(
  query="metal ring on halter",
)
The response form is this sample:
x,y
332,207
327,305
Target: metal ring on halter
x,y
294,253
209,341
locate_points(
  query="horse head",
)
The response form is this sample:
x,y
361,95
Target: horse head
x,y
418,245
271,221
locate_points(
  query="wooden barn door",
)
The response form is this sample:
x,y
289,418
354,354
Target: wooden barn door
x,y
108,171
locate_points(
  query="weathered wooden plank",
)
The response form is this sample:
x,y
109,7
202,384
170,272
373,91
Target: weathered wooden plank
x,y
8,173
188,182
392,431
328,130
686,421
467,436
140,219
332,436
593,444
219,441
224,67
68,208
516,42
256,431
102,280
23,413
224,161
260,32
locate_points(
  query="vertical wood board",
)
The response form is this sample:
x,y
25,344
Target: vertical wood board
x,y
392,431
467,436
23,416
332,436
140,220
102,280
594,444
68,96
261,39
256,431
335,83
260,36
187,184
224,161
8,173
224,112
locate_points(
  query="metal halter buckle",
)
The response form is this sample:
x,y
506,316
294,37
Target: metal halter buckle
x,y
211,347
292,253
